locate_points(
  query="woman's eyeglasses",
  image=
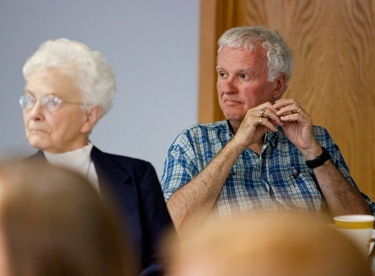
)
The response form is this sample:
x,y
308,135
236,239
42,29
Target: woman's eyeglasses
x,y
49,102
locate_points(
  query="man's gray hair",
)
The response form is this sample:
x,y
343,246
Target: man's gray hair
x,y
279,55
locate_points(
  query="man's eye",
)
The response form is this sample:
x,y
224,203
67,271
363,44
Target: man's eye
x,y
245,76
222,74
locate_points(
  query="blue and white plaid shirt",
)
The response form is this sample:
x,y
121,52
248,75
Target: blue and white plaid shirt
x,y
278,179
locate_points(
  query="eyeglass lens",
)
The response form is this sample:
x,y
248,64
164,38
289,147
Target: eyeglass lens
x,y
50,102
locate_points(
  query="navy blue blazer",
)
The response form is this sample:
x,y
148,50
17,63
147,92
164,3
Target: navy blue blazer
x,y
136,190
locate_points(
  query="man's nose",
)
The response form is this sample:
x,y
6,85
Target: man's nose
x,y
229,86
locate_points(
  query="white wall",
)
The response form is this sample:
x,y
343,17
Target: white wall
x,y
153,47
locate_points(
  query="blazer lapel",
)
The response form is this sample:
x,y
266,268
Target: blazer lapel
x,y
115,182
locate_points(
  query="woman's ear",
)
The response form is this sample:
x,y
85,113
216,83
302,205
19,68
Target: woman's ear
x,y
92,117
280,83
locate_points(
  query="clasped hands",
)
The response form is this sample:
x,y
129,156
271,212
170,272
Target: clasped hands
x,y
283,111
286,113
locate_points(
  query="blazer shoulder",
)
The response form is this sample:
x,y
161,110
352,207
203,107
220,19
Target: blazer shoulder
x,y
127,163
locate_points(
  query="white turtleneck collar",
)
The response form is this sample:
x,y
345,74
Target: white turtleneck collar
x,y
78,160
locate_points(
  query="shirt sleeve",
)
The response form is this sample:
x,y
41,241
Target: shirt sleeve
x,y
337,158
179,167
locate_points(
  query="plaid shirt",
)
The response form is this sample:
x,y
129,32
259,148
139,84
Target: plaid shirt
x,y
278,179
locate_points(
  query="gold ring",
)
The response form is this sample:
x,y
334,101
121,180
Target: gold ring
x,y
260,120
299,109
261,112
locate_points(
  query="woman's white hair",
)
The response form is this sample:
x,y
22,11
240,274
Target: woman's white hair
x,y
279,55
88,68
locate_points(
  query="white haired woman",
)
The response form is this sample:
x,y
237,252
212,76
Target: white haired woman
x,y
68,89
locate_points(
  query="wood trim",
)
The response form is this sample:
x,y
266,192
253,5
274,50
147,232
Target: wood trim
x,y
207,101
216,17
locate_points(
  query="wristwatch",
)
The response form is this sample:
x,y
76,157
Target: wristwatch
x,y
319,160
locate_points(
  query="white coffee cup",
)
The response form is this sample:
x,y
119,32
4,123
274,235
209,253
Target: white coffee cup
x,y
358,228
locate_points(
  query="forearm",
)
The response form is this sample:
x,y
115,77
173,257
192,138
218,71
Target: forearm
x,y
190,205
340,195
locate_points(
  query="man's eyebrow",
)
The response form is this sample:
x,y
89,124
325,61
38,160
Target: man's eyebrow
x,y
247,69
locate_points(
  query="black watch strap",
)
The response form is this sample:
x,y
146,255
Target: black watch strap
x,y
319,160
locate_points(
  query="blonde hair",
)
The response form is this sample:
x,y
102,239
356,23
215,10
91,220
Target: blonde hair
x,y
53,222
268,244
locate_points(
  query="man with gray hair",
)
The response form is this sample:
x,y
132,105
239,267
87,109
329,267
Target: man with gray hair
x,y
267,155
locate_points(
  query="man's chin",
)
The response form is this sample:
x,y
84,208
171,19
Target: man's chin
x,y
234,113
233,116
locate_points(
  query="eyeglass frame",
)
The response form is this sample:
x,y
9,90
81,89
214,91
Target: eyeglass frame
x,y
47,101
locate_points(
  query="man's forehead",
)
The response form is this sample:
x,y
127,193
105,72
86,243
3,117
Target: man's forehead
x,y
241,59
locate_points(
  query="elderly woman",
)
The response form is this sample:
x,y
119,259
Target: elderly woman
x,y
68,89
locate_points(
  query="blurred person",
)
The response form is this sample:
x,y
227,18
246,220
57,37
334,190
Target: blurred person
x,y
267,244
266,155
53,222
69,88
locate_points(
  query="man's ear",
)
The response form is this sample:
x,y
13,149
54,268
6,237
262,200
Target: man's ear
x,y
280,83
92,117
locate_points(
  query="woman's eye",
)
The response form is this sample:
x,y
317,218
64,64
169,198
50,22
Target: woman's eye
x,y
55,101
51,102
30,99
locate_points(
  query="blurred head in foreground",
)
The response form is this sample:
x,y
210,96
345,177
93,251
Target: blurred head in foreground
x,y
52,222
282,244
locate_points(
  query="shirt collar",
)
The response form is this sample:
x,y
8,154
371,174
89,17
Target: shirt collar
x,y
229,129
78,160
272,137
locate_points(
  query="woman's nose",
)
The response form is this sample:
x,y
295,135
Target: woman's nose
x,y
36,110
